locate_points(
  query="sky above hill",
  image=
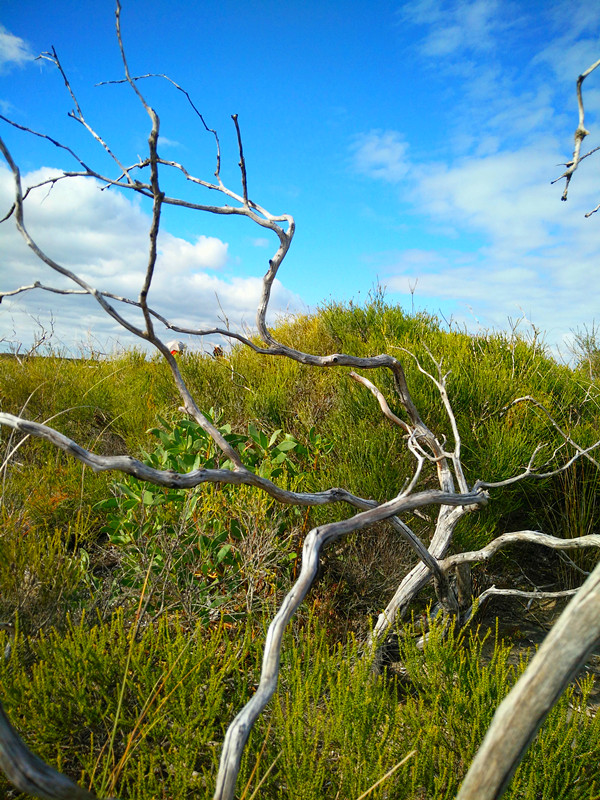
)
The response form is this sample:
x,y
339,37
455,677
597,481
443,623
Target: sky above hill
x,y
413,142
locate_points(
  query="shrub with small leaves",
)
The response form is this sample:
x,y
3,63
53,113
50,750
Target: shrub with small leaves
x,y
193,544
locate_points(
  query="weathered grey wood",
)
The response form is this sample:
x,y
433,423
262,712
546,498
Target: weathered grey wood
x,y
29,773
521,713
516,537
464,585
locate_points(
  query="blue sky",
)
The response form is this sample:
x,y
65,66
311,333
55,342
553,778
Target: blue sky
x,y
414,143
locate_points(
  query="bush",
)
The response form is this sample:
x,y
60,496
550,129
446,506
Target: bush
x,y
151,706
200,550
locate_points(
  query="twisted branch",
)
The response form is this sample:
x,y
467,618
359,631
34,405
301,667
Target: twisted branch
x,y
580,133
29,773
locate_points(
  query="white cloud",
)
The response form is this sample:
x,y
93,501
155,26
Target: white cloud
x,y
456,26
533,254
506,196
179,255
13,50
380,154
575,44
505,244
536,255
103,237
163,141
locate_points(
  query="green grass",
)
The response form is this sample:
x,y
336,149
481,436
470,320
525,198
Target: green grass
x,y
333,729
110,405
72,569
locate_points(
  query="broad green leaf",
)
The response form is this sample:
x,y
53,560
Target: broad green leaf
x,y
223,552
288,444
149,498
274,437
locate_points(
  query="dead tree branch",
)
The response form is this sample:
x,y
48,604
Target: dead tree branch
x,y
521,713
454,497
580,133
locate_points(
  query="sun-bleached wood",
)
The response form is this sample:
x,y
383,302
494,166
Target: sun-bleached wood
x,y
515,723
580,133
450,501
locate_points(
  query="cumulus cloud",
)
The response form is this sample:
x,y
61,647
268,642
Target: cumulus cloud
x,y
13,50
102,236
179,255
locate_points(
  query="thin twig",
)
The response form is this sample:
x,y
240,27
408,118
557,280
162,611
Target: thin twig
x,y
580,134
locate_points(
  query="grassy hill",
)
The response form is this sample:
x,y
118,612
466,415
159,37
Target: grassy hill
x,y
125,595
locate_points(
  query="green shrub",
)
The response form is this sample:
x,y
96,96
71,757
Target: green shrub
x,y
112,403
41,578
142,712
201,547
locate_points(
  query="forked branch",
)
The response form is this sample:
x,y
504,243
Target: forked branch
x,y
453,499
580,133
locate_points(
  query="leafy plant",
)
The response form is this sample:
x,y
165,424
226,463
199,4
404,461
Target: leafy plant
x,y
193,541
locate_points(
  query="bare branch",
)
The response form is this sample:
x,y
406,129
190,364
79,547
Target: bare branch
x,y
521,713
128,301
419,576
530,537
529,472
563,433
217,172
64,147
29,773
580,134
239,730
175,480
242,162
453,503
157,194
19,218
593,211
535,595
440,384
78,114
382,402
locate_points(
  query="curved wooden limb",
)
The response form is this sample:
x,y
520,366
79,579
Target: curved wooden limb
x,y
29,773
239,730
521,713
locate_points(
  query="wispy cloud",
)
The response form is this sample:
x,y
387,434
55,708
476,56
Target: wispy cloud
x,y
504,242
454,26
380,154
503,77
164,141
13,50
